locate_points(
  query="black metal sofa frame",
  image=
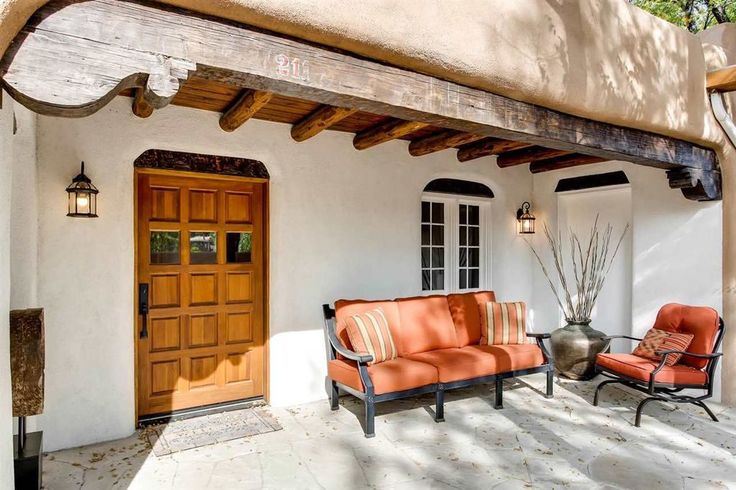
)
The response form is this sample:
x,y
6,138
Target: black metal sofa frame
x,y
370,398
665,391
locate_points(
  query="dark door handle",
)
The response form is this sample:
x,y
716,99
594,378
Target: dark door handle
x,y
143,308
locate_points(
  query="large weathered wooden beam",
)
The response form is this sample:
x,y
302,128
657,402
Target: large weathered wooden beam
x,y
723,80
566,161
319,120
526,155
67,61
247,104
441,141
487,147
387,131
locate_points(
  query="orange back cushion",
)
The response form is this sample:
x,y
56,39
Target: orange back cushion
x,y
369,333
503,323
345,308
700,321
426,324
465,312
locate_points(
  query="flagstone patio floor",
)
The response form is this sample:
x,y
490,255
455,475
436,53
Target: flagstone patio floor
x,y
533,442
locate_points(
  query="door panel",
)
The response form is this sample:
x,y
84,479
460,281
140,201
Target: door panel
x,y
201,250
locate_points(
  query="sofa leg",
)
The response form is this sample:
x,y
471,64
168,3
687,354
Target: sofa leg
x,y
550,384
439,407
370,419
499,395
334,396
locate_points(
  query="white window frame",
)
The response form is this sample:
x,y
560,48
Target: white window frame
x,y
452,241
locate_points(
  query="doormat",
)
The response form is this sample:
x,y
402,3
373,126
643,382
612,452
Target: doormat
x,y
182,435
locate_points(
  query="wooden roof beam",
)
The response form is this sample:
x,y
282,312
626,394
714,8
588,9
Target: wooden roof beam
x,y
487,147
722,80
441,141
387,131
247,104
527,155
141,107
566,161
319,120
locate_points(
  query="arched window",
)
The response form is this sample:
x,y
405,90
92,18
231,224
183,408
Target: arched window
x,y
455,242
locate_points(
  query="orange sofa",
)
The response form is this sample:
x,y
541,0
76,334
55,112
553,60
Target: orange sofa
x,y
437,339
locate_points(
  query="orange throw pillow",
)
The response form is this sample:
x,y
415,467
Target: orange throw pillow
x,y
660,340
369,332
503,323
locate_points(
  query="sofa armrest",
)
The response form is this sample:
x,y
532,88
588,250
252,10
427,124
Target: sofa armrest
x,y
359,357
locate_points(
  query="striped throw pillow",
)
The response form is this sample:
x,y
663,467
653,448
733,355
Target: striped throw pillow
x,y
503,323
657,340
369,332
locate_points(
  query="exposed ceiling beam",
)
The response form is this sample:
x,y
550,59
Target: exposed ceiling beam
x,y
723,80
247,104
441,141
566,161
387,131
141,107
322,118
487,147
526,155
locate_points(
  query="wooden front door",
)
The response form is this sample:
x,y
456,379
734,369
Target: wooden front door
x,y
201,251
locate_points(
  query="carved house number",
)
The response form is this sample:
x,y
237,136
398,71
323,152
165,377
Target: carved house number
x,y
293,68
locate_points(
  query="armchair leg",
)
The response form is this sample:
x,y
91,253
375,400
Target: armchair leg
x,y
334,396
641,406
707,410
370,419
550,383
499,395
439,407
600,386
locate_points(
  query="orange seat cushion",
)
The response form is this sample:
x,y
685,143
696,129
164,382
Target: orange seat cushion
x,y
700,321
639,368
345,308
465,312
426,324
394,375
473,361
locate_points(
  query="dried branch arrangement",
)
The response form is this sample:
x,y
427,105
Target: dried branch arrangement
x,y
590,266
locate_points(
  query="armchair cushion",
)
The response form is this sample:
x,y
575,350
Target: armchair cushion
x,y
503,323
659,340
395,375
701,321
639,368
369,333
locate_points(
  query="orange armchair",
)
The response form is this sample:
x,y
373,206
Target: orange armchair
x,y
695,369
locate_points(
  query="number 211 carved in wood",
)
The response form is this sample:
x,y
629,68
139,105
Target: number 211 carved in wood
x,y
292,67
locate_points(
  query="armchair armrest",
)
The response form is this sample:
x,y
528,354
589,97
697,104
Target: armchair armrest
x,y
359,357
665,353
611,337
538,335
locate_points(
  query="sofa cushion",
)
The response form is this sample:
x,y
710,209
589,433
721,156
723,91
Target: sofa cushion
x,y
369,332
701,321
503,323
660,340
426,324
457,364
345,308
465,312
640,368
394,375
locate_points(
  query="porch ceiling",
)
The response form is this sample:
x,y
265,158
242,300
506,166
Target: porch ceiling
x,y
66,62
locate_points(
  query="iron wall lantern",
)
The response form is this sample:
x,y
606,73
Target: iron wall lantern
x,y
82,197
525,219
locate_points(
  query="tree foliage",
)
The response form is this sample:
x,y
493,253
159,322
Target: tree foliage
x,y
693,15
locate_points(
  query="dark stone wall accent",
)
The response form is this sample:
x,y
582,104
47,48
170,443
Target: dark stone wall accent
x,y
27,360
195,162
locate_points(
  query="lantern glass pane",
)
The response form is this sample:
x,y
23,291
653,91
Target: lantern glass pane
x,y
83,202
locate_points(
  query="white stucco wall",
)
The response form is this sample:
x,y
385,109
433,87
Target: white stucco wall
x,y
676,244
343,223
